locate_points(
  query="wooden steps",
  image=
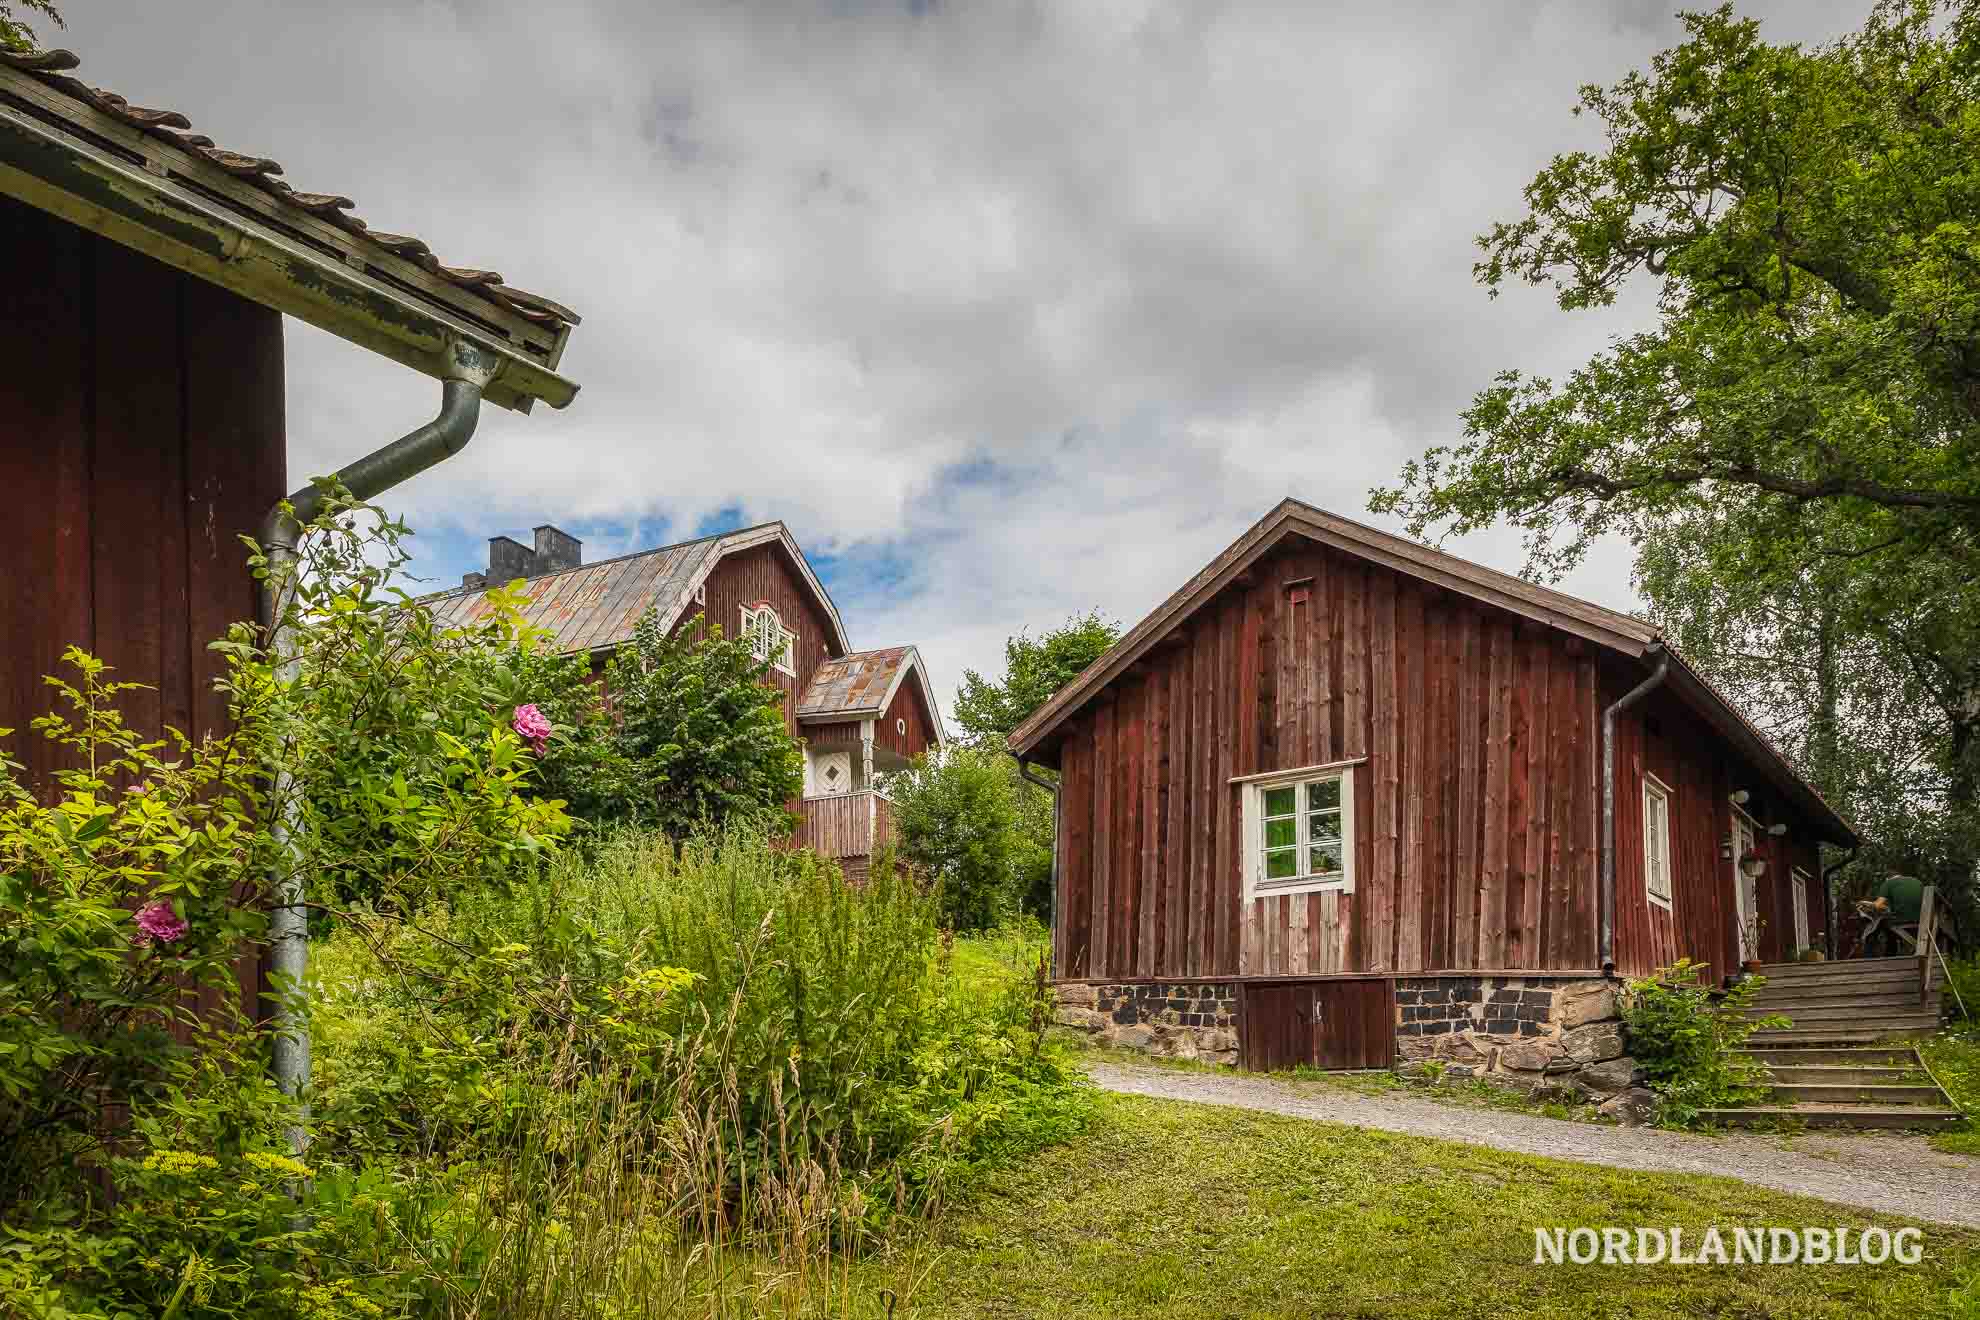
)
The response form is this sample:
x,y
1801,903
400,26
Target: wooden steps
x,y
1842,1062
1858,1002
1903,1117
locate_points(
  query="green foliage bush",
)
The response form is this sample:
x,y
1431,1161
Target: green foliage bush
x,y
820,1006
956,814
1687,1041
144,876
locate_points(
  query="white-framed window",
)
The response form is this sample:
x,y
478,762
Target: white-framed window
x,y
1656,841
1299,831
1804,937
769,639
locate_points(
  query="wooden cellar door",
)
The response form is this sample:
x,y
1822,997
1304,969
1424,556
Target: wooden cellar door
x,y
1319,1024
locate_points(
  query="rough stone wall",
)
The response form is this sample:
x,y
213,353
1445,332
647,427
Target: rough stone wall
x,y
1548,1035
1179,1021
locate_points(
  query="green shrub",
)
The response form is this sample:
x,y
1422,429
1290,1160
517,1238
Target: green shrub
x,y
1688,1041
956,812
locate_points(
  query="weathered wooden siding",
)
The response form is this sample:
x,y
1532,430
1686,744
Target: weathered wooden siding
x,y
141,431
1318,1024
764,573
1661,737
906,708
1475,805
838,826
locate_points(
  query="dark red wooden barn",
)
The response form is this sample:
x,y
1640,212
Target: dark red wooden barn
x,y
147,274
1344,794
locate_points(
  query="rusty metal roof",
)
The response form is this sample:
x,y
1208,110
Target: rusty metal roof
x,y
52,68
862,683
594,606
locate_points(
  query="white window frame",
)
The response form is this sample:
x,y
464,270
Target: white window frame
x,y
1255,788
1657,879
1804,936
758,624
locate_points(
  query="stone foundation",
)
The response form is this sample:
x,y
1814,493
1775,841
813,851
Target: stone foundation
x,y
1178,1021
1551,1036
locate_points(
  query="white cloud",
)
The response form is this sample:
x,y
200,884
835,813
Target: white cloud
x,y
1035,305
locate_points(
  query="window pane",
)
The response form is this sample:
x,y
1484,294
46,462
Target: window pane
x,y
1323,795
1282,864
1281,802
1324,826
1281,833
1324,861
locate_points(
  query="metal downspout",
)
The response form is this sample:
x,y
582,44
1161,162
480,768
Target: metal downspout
x,y
468,374
1606,950
1026,773
1831,931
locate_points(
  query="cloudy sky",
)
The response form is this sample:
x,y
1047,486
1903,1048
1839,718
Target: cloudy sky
x,y
1008,309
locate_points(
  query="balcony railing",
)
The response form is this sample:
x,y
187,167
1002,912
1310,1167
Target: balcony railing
x,y
845,824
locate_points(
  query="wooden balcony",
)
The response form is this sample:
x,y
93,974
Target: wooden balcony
x,y
844,824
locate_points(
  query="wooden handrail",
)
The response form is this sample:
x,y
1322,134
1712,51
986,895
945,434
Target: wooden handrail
x,y
1928,935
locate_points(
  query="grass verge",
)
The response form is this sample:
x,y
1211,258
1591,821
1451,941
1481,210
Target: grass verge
x,y
1954,1058
1173,1209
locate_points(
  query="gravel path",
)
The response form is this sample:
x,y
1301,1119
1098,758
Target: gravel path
x,y
1895,1173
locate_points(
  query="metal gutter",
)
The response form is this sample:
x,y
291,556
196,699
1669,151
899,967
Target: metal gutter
x,y
1831,930
470,373
1606,941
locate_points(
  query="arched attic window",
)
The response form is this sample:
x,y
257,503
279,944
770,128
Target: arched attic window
x,y
769,639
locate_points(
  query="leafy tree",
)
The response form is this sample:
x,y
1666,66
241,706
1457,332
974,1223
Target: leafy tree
x,y
988,710
1033,671
1802,424
956,815
701,734
17,35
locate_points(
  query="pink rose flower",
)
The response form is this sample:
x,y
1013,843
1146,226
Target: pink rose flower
x,y
157,923
533,726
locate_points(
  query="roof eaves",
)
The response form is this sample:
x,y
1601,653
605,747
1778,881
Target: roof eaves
x,y
132,176
1702,696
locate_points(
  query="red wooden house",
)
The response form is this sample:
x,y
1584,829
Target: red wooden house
x,y
1342,796
861,714
147,274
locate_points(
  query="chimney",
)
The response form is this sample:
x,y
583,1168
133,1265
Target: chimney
x,y
475,580
508,560
557,550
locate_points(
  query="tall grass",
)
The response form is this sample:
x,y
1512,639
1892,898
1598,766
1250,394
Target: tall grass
x,y
820,1077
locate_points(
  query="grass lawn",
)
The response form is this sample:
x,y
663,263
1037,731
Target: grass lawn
x,y
1172,1209
989,960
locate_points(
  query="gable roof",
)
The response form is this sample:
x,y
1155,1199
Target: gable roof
x,y
862,685
141,178
1625,634
594,606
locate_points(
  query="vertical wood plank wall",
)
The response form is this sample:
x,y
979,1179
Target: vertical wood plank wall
x,y
764,573
908,706
141,431
1662,738
1475,809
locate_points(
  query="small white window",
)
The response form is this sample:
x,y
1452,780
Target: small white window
x,y
1299,833
1656,841
1804,936
769,639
